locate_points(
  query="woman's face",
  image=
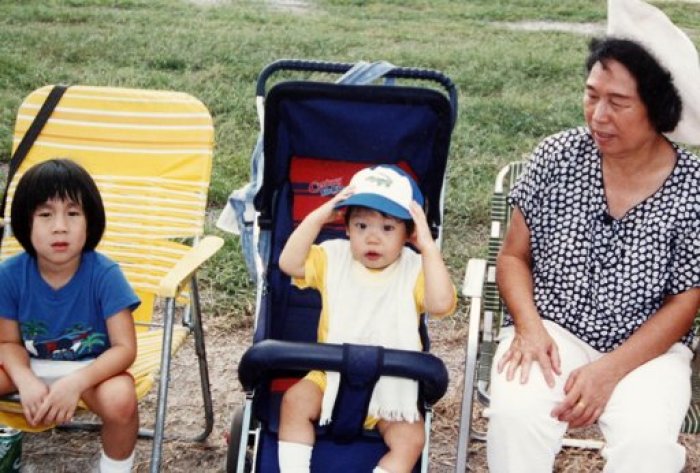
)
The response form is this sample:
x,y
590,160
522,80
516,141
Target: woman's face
x,y
614,112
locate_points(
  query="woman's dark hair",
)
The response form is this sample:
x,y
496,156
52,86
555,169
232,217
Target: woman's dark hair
x,y
410,224
62,179
654,83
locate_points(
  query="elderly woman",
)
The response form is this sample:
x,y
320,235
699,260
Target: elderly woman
x,y
600,272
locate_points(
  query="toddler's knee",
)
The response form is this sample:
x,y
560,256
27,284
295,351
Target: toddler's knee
x,y
300,400
416,440
291,400
410,440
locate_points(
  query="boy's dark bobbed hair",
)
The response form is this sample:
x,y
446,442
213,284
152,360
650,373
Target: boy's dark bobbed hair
x,y
62,179
654,83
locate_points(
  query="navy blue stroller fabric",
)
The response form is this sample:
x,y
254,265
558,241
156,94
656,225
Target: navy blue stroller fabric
x,y
375,124
334,130
238,215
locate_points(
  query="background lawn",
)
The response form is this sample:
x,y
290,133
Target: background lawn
x,y
515,86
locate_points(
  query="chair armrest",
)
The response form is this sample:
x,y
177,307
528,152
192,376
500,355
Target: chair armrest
x,y
171,283
474,278
271,355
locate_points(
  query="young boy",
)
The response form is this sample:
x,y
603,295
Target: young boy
x,y
61,300
373,289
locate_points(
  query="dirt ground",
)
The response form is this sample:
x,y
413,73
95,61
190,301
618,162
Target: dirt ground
x,y
71,452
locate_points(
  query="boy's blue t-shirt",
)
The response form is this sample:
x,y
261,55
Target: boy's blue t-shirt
x,y
68,323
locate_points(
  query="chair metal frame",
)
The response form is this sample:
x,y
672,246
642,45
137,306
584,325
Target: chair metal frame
x,y
160,204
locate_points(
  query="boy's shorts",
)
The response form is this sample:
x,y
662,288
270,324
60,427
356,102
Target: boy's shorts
x,y
50,371
319,379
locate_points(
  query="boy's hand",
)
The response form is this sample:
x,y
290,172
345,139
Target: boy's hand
x,y
32,392
60,404
421,238
327,212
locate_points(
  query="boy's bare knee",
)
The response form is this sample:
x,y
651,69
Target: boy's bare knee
x,y
118,401
122,412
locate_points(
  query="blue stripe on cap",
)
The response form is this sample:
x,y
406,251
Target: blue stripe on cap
x,y
376,202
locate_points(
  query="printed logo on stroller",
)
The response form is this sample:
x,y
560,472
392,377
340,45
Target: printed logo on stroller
x,y
326,187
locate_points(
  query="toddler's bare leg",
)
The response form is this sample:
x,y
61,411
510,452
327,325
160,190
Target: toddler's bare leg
x,y
405,441
301,408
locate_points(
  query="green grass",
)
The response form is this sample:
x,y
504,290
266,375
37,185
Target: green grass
x,y
515,87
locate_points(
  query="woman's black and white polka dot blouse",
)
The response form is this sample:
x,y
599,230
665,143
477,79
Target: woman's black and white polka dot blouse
x,y
600,277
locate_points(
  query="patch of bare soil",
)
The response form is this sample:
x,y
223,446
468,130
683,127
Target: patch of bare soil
x,y
70,452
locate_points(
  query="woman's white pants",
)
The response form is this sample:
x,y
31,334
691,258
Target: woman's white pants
x,y
641,422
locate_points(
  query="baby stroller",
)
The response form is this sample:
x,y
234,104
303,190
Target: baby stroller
x,y
316,135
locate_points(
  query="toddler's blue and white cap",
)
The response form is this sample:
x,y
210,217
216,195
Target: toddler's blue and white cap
x,y
385,188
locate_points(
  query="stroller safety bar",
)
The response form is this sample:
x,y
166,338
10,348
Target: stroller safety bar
x,y
342,68
270,355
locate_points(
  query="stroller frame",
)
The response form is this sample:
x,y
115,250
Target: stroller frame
x,y
277,352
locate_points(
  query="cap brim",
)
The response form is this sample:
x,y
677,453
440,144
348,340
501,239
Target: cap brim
x,y
378,203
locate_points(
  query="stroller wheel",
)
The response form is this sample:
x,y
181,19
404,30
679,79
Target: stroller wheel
x,y
234,443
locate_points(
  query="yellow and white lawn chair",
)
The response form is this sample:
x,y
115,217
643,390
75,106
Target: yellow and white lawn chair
x,y
486,312
150,153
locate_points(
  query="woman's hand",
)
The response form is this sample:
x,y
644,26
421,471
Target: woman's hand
x,y
531,345
59,405
588,390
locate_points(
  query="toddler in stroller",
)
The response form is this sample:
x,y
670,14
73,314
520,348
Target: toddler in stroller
x,y
373,290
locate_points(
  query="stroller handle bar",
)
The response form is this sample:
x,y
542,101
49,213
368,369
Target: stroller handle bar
x,y
343,67
270,355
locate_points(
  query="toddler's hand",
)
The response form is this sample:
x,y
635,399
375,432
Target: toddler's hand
x,y
60,404
421,238
327,211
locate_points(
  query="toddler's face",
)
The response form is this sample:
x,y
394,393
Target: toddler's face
x,y
376,240
59,232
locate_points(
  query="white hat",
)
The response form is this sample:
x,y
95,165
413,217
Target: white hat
x,y
647,25
386,188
